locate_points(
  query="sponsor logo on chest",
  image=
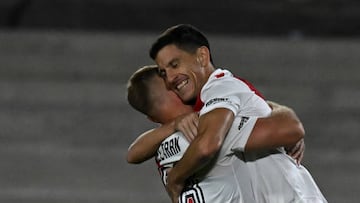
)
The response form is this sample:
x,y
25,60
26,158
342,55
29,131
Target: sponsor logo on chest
x,y
216,100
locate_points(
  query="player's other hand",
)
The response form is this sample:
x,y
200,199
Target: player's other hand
x,y
297,151
188,124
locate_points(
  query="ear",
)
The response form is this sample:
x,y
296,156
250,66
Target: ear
x,y
203,56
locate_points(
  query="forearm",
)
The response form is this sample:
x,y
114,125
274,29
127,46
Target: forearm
x,y
146,145
193,160
212,131
291,129
282,129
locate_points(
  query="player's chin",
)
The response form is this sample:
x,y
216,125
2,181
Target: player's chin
x,y
187,95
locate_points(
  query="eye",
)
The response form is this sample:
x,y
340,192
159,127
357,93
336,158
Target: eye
x,y
174,64
162,73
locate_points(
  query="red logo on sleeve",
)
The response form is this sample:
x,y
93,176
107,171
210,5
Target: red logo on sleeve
x,y
220,75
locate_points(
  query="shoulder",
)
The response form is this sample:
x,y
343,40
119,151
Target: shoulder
x,y
223,81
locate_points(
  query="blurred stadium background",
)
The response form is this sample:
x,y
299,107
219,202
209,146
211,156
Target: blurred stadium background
x,y
65,124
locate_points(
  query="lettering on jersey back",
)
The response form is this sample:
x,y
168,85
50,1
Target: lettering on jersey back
x,y
169,148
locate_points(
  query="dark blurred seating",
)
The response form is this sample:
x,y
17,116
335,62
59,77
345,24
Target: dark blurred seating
x,y
333,18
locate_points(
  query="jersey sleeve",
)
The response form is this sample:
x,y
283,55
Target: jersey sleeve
x,y
228,93
245,127
224,91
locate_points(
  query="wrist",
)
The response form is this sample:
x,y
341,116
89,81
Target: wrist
x,y
168,128
174,178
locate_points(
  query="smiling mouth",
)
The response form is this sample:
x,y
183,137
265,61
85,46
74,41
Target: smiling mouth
x,y
182,84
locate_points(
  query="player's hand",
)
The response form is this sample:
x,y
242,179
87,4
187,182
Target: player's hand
x,y
272,104
188,124
297,151
173,189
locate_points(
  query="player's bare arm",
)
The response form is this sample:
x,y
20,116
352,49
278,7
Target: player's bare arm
x,y
213,127
297,150
144,147
282,128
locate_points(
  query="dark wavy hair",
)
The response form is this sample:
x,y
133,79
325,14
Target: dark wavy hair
x,y
186,37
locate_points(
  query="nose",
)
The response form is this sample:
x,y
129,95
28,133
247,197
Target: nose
x,y
169,75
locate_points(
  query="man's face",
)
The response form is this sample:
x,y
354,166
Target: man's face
x,y
181,71
168,105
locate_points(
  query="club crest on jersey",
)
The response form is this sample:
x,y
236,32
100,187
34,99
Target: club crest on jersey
x,y
216,100
244,119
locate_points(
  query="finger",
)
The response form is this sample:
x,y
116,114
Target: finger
x,y
299,160
272,104
188,137
296,156
291,151
301,147
300,153
196,123
187,130
194,129
188,134
181,128
301,156
192,134
196,119
191,126
296,153
297,147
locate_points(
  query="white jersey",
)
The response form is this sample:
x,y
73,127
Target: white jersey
x,y
222,187
233,176
218,182
169,152
275,177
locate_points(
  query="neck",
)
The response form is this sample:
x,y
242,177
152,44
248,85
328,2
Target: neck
x,y
208,70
